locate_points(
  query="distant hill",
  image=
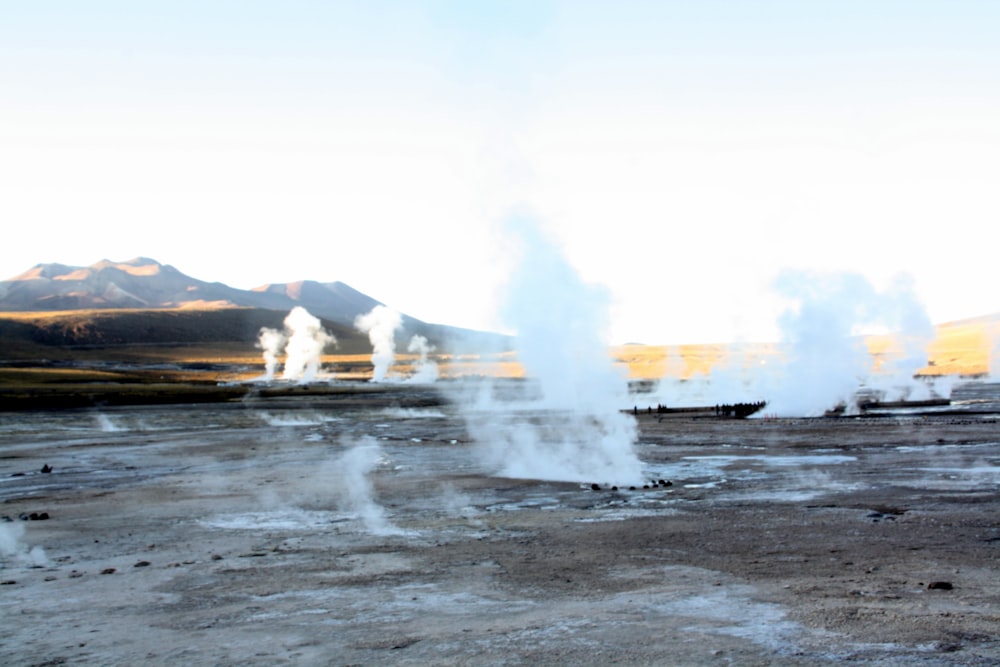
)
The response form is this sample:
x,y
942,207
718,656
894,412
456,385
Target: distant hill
x,y
144,285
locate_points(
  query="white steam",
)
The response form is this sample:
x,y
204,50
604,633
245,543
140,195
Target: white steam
x,y
426,369
380,324
826,359
913,335
303,340
272,342
107,425
353,484
571,429
13,546
306,341
732,380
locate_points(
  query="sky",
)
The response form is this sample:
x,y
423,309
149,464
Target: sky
x,y
680,154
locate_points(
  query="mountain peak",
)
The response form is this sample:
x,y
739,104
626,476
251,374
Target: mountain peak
x,y
145,282
138,266
44,271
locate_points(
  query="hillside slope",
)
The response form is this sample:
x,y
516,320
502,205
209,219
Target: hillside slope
x,y
143,284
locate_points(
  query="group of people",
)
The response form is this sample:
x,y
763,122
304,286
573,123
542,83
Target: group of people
x,y
738,410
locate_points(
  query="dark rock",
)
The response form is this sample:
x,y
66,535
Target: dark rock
x,y
595,487
939,586
46,468
108,570
142,563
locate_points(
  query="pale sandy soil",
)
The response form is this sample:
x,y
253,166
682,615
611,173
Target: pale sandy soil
x,y
220,535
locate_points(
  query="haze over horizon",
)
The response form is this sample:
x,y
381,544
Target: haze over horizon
x,y
683,156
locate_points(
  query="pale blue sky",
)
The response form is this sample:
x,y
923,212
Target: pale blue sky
x,y
682,153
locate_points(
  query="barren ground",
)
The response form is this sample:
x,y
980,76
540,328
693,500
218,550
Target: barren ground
x,y
219,534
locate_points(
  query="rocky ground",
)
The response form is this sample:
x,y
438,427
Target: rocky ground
x,y
243,535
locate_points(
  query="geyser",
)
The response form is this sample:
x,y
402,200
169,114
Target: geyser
x,y
12,546
426,370
571,428
354,486
272,342
380,324
304,340
826,358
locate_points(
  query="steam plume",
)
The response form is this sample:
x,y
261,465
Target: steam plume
x,y
271,341
357,493
303,340
827,357
380,324
306,341
426,370
12,545
572,430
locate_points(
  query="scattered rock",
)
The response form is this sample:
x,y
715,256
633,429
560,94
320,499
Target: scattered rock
x,y
7,582
34,516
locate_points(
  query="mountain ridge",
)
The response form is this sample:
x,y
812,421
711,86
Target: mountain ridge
x,y
145,283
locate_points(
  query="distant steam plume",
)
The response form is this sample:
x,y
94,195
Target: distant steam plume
x,y
272,342
303,340
572,428
426,370
827,359
913,332
306,341
380,324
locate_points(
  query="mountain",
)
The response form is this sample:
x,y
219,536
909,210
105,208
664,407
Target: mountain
x,y
145,284
138,283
